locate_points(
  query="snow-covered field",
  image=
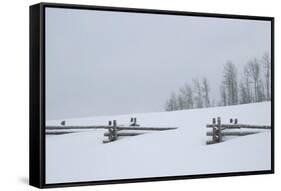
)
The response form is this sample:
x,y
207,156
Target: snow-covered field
x,y
82,156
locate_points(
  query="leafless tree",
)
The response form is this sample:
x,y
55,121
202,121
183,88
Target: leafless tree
x,y
206,92
261,91
243,93
187,95
198,94
180,102
223,95
247,82
230,83
171,104
267,72
253,73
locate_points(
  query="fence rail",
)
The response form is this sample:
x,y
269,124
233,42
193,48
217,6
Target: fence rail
x,y
107,127
239,126
113,130
243,133
58,132
123,134
217,132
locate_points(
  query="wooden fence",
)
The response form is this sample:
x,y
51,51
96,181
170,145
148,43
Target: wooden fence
x,y
107,127
113,130
217,132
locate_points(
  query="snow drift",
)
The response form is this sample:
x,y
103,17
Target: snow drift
x,y
82,156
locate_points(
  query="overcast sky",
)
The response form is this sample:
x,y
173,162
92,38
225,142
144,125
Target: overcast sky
x,y
105,63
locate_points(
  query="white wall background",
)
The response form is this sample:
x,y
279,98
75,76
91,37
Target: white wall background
x,y
14,68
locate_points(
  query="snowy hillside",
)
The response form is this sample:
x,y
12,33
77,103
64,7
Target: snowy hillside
x,y
82,156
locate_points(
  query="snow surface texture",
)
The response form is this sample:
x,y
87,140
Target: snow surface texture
x,y
82,156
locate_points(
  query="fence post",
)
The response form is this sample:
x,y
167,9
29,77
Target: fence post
x,y
112,130
214,130
219,130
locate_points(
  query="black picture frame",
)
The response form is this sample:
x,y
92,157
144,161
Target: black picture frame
x,y
37,94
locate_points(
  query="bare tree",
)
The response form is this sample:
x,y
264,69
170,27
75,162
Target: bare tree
x,y
223,95
198,95
253,72
261,91
248,84
206,92
243,94
187,95
230,83
180,102
267,72
171,104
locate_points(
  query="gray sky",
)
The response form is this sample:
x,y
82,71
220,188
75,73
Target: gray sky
x,y
104,63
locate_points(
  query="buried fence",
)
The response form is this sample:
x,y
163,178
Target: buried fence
x,y
218,128
113,130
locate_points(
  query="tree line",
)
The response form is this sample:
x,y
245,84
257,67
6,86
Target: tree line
x,y
252,85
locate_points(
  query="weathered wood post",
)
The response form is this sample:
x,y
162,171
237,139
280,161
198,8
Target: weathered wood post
x,y
133,121
235,121
62,123
112,131
219,130
217,137
111,134
214,130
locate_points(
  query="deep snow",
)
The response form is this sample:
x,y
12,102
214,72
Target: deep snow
x,y
82,156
